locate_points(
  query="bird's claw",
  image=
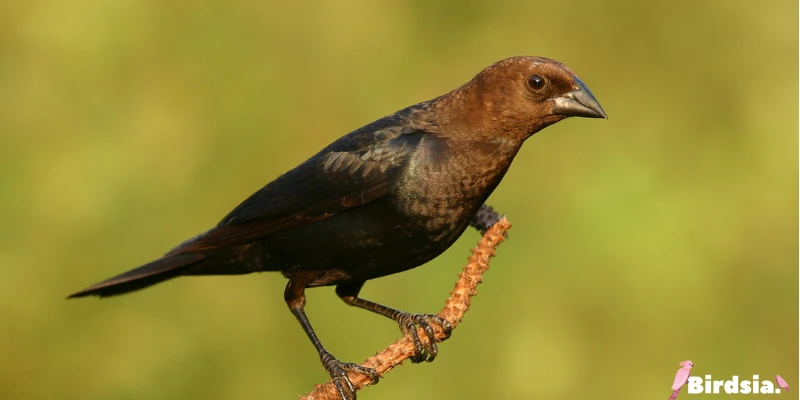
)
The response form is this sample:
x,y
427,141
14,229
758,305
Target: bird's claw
x,y
485,218
408,325
345,388
338,371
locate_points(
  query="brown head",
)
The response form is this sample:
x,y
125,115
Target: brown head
x,y
515,98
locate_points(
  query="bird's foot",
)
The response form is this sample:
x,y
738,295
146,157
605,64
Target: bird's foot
x,y
408,325
338,371
485,218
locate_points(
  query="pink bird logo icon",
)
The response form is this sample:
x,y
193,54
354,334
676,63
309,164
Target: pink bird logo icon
x,y
781,382
681,378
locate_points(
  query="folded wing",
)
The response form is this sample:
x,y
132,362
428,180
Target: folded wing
x,y
353,171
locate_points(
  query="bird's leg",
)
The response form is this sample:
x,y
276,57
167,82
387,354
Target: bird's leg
x,y
485,218
408,322
296,300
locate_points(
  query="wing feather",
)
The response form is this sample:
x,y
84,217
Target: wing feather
x,y
353,171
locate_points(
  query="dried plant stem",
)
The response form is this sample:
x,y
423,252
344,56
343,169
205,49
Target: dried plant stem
x,y
454,308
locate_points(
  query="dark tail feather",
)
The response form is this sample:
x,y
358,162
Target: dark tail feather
x,y
142,277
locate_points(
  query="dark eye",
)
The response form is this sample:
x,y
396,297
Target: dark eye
x,y
535,82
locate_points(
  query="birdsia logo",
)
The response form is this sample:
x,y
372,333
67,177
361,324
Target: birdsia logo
x,y
698,385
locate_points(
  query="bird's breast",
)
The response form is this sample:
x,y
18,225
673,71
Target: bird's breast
x,y
446,182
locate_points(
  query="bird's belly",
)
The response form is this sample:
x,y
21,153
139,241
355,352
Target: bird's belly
x,y
359,244
431,207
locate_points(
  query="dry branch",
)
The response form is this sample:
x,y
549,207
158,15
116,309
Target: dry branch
x,y
454,308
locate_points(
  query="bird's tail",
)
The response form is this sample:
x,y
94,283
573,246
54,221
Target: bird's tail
x,y
675,394
154,272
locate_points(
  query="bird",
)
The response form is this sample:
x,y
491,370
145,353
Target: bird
x,y
385,198
782,383
681,377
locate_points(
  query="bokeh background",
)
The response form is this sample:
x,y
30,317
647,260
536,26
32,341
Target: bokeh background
x,y
668,232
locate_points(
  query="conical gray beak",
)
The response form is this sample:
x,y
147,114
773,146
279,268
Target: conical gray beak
x,y
578,103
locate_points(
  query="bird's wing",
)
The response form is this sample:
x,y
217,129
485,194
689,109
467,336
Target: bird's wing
x,y
680,378
351,172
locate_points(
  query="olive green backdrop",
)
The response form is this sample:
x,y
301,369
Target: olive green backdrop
x,y
668,232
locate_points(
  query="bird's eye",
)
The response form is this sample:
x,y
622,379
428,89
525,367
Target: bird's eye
x,y
535,82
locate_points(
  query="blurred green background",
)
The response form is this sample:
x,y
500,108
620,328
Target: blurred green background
x,y
668,232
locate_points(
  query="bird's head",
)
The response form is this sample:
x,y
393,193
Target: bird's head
x,y
519,96
686,364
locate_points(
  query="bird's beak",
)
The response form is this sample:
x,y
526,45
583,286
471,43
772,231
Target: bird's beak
x,y
578,103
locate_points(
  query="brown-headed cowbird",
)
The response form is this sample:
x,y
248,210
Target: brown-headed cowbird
x,y
385,198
